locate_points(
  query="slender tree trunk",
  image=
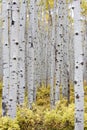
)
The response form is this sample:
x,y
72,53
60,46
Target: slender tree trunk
x,y
14,46
85,52
21,90
53,57
35,49
78,81
1,70
65,52
5,6
59,50
31,55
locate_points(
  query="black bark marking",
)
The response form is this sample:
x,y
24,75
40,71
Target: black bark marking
x,y
16,43
11,100
14,71
76,67
82,63
56,60
4,107
13,22
31,44
81,110
83,54
77,96
14,3
14,58
77,121
6,44
17,98
21,75
56,51
75,82
61,35
21,50
77,33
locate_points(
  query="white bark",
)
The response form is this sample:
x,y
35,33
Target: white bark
x,y
31,55
1,70
35,48
14,45
65,71
53,57
71,55
59,50
21,90
5,57
85,52
78,81
49,48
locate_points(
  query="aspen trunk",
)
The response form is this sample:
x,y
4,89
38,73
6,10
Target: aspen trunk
x,y
5,57
21,90
14,46
31,55
78,81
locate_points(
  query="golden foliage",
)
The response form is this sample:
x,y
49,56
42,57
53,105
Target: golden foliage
x,y
41,117
84,7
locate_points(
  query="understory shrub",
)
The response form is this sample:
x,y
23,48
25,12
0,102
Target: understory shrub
x,y
41,117
7,123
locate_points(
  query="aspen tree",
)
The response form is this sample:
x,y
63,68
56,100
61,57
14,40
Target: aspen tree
x,y
49,46
65,72
59,50
85,51
1,70
5,41
78,77
53,56
26,45
21,90
35,48
71,48
40,43
45,36
14,46
31,55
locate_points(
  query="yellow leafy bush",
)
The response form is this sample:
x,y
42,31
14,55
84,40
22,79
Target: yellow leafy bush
x,y
41,117
7,123
61,118
84,7
25,118
43,96
52,120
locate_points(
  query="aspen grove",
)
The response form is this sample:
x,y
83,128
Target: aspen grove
x,y
43,43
